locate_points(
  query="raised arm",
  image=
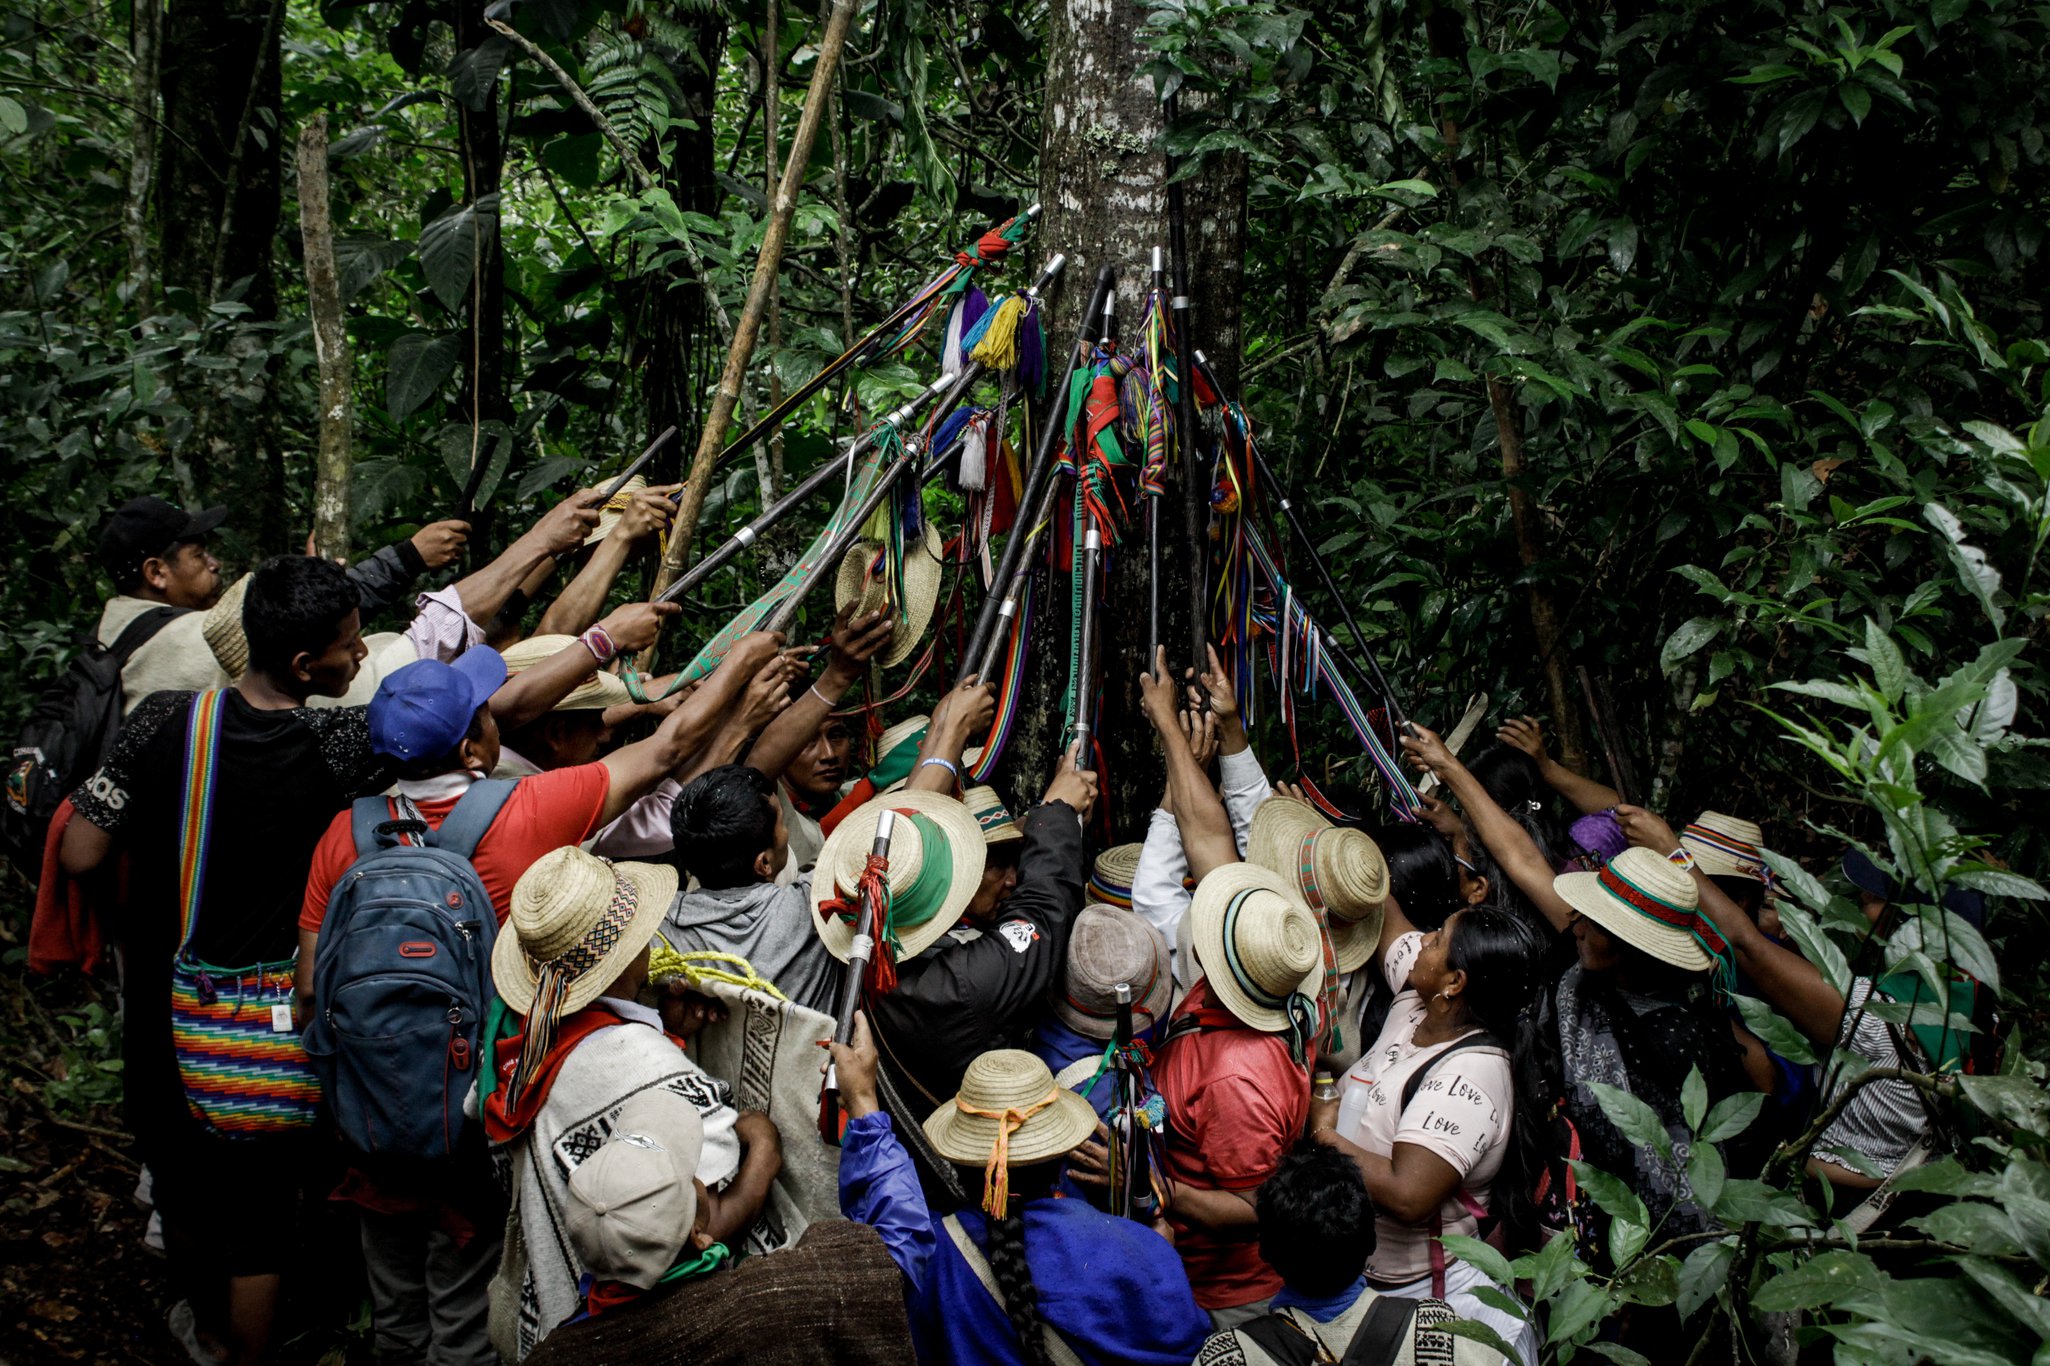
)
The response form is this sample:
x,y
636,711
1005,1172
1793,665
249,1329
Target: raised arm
x,y
1507,842
1588,796
1788,982
578,605
962,713
531,693
562,527
636,768
1205,828
855,642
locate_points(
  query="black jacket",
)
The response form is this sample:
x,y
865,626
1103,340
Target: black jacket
x,y
971,992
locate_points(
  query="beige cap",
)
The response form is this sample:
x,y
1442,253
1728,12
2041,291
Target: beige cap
x,y
633,1203
1106,947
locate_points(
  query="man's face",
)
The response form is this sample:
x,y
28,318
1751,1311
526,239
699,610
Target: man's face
x,y
821,766
999,880
575,737
187,575
329,673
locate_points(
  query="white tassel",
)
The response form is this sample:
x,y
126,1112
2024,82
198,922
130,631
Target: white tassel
x,y
975,457
950,345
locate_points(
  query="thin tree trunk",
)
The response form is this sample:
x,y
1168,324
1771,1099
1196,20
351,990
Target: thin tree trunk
x,y
144,46
483,341
769,455
331,472
748,328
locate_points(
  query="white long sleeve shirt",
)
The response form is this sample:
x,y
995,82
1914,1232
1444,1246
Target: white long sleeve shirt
x,y
1157,891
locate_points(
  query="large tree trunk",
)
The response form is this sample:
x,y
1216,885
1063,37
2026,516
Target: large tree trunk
x,y
482,147
676,353
1103,182
218,206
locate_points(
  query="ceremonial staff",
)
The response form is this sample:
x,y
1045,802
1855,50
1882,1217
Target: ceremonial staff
x,y
1090,556
612,490
1153,523
1038,476
1396,717
873,889
1131,1159
1195,477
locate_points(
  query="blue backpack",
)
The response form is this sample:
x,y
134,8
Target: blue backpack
x,y
402,979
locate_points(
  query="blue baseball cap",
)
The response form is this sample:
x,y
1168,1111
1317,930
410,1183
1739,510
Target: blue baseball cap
x,y
1967,903
423,711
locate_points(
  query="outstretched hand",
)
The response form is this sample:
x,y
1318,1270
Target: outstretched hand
x,y
1647,829
1159,698
563,527
1075,786
647,511
857,640
1427,751
636,625
440,543
1526,733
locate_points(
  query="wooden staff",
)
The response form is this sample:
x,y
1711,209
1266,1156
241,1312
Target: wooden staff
x,y
1153,522
1085,670
612,490
858,955
1038,475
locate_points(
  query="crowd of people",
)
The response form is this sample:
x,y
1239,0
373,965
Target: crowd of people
x,y
440,925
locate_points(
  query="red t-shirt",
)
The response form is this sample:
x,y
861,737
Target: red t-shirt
x,y
1236,1103
546,811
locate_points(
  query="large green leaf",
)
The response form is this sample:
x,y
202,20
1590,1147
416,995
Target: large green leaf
x,y
1818,1282
453,244
418,365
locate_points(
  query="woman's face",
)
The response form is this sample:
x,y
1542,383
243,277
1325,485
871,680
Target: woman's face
x,y
1431,971
1598,950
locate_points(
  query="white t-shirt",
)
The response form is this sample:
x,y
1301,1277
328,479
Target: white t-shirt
x,y
1461,1114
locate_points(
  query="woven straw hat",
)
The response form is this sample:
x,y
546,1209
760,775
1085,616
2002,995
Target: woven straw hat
x,y
902,741
1726,846
599,691
1107,946
1010,1079
1256,942
921,589
608,516
1110,881
844,855
1643,900
992,816
222,629
389,652
1336,868
594,914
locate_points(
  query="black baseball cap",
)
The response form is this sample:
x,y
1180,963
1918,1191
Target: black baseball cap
x,y
1965,902
147,527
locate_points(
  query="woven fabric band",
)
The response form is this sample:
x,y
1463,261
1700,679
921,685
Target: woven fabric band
x,y
589,951
1665,912
996,1175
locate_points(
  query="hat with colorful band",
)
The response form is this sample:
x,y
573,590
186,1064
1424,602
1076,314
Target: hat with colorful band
x,y
1259,948
1106,947
1727,846
1649,904
1110,879
936,859
992,815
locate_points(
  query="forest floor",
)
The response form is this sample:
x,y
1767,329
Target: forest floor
x,y
76,1282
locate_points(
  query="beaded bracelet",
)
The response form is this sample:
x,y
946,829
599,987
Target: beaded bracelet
x,y
599,643
947,764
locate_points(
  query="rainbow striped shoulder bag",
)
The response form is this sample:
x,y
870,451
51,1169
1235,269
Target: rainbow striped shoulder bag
x,y
240,1057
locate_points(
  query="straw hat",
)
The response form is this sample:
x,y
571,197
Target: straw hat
x,y
1108,946
992,816
858,585
1009,1105
1648,903
599,691
1110,881
1726,846
609,515
389,652
588,915
1257,943
941,833
222,629
1337,870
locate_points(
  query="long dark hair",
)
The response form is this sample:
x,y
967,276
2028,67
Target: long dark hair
x,y
1422,873
1518,786
1499,956
1005,1248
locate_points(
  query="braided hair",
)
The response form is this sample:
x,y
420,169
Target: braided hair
x,y
1004,1246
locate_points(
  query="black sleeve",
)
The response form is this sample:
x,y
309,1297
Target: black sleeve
x,y
1005,974
345,748
107,798
383,578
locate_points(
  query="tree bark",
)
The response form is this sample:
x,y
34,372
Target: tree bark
x,y
331,473
144,46
483,164
727,396
1103,182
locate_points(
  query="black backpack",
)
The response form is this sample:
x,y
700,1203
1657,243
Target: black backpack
x,y
66,738
1389,1326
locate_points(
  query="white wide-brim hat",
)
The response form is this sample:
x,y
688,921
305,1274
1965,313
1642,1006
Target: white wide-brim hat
x,y
1644,900
1256,943
844,856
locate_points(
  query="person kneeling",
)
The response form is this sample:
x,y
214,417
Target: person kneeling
x,y
657,1287
1317,1230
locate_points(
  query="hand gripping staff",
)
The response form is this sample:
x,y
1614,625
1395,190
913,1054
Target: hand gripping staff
x,y
1088,571
1131,1156
875,896
948,389
612,490
895,330
1002,602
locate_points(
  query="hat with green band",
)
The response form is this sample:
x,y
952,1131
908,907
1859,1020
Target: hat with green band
x,y
936,858
1650,904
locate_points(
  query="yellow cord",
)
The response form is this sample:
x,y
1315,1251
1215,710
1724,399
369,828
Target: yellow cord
x,y
998,349
665,962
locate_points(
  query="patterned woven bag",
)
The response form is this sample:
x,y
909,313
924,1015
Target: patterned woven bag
x,y
239,1054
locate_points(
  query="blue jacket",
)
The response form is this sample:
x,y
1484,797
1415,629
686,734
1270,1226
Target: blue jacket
x,y
1115,1291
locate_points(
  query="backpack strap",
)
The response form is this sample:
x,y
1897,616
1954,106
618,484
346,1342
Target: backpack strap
x,y
365,815
475,810
1283,1339
140,631
1480,1038
1057,1349
196,811
1389,1325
